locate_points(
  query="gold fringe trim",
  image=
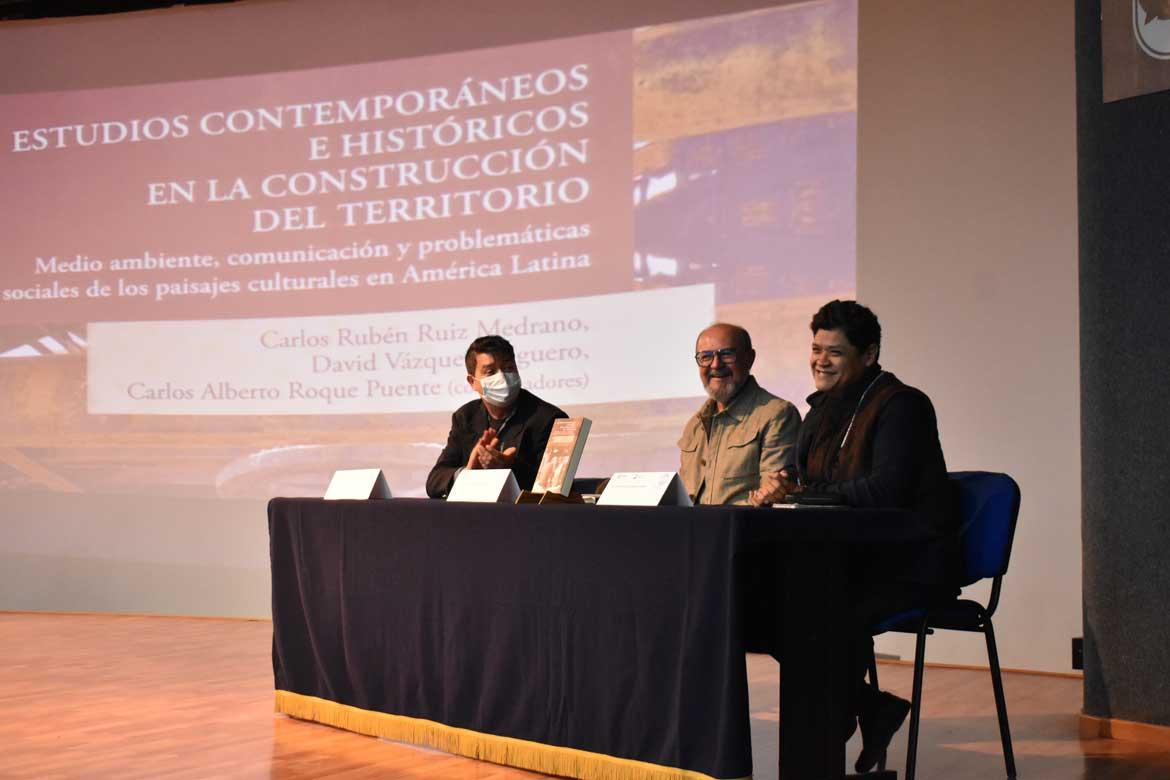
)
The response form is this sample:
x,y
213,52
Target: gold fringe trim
x,y
521,753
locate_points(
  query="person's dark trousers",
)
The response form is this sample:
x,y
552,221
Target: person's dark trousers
x,y
874,602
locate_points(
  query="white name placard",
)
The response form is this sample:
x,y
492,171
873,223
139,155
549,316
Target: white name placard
x,y
645,488
358,484
485,485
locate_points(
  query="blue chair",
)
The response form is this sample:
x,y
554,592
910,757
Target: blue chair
x,y
989,504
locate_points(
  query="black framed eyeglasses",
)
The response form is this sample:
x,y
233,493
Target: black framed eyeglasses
x,y
726,355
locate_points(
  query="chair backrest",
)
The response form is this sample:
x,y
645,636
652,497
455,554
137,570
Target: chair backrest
x,y
988,506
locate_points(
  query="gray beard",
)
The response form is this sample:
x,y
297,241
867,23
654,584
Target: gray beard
x,y
724,393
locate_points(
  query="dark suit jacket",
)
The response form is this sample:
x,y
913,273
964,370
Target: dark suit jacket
x,y
527,431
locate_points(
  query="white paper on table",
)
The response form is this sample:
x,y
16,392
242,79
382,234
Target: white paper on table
x,y
645,488
485,486
359,484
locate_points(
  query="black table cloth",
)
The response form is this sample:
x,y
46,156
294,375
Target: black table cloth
x,y
574,640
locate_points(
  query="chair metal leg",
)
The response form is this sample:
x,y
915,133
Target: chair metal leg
x,y
1005,734
916,702
873,680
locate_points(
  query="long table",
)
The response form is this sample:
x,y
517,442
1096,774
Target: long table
x,y
574,640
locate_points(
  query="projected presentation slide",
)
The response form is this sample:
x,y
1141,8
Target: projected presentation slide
x,y
235,286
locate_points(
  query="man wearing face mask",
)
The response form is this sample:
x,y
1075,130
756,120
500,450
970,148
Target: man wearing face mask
x,y
505,428
742,432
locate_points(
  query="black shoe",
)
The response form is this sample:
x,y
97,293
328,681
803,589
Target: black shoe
x,y
879,722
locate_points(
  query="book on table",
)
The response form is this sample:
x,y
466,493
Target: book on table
x,y
558,467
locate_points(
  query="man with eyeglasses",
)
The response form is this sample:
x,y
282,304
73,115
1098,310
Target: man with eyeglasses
x,y
742,431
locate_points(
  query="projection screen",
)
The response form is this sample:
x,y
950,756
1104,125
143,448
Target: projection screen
x,y
230,288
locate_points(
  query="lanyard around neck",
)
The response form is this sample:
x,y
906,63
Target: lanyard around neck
x,y
860,401
499,429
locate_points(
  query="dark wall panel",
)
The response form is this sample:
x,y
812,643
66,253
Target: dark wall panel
x,y
1124,187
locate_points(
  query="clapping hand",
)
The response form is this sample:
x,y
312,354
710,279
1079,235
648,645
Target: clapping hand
x,y
486,453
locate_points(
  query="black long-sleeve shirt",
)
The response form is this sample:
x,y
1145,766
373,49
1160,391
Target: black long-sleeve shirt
x,y
905,469
905,456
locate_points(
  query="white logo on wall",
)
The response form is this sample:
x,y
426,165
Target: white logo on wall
x,y
1151,27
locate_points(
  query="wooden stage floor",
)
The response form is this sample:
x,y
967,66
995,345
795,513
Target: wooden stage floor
x,y
101,696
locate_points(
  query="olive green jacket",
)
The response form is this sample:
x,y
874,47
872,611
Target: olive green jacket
x,y
724,453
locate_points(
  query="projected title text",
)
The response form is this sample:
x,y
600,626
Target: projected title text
x,y
471,171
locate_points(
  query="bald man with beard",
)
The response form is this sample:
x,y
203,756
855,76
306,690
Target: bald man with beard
x,y
742,432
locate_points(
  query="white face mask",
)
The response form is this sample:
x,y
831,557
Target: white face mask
x,y
501,388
